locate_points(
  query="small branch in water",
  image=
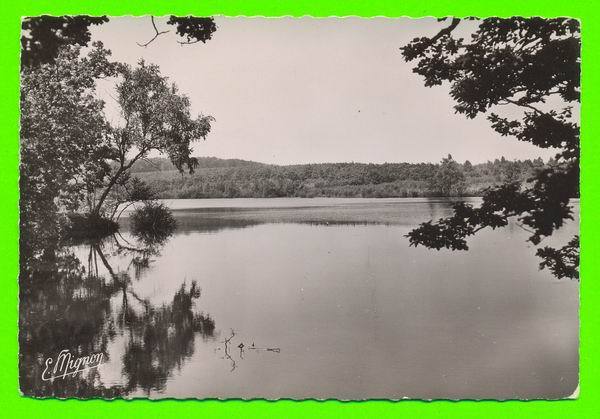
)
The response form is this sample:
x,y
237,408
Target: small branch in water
x,y
227,355
241,346
226,341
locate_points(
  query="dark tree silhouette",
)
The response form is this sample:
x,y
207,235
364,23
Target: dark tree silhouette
x,y
152,221
532,65
43,36
194,29
63,134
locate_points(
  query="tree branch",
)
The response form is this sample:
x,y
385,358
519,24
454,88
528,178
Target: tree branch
x,y
525,105
419,46
445,31
151,163
157,34
188,42
525,228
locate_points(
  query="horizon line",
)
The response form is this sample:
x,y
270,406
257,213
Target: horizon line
x,y
362,162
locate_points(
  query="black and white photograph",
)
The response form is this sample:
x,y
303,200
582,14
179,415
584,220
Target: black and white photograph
x,y
299,208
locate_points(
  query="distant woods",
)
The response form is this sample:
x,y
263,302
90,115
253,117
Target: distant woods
x,y
449,178
221,178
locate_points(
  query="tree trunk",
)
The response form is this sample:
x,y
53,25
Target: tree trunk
x,y
113,181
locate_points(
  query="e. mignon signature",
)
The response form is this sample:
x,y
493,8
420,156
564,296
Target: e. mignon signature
x,y
66,364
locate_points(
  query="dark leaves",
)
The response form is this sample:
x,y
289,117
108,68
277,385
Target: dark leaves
x,y
563,262
158,116
152,223
543,208
520,62
43,36
194,29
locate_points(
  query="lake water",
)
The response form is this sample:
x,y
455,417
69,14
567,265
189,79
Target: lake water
x,y
305,298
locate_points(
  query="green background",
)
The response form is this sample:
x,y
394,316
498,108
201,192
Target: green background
x,y
586,406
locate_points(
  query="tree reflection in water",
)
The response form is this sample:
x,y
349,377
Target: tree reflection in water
x,y
66,305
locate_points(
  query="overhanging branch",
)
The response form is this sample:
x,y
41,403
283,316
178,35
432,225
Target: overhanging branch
x,y
156,35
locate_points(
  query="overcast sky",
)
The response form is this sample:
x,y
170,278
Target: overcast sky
x,y
313,90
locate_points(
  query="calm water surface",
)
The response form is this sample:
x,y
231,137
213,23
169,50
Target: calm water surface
x,y
306,298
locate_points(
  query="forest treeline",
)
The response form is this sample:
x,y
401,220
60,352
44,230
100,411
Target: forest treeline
x,y
232,178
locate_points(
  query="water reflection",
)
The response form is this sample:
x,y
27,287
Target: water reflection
x,y
211,216
65,304
325,302
233,350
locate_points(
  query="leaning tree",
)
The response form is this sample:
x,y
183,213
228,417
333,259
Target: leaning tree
x,y
533,66
68,149
155,116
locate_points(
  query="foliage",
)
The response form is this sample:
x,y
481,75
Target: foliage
x,y
467,166
152,222
63,137
69,152
449,179
160,164
43,36
127,191
216,178
155,117
195,29
533,65
139,191
563,262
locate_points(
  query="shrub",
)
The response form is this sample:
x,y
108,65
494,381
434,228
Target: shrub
x,y
152,222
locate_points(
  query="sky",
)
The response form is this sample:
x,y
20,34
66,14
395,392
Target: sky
x,y
306,90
